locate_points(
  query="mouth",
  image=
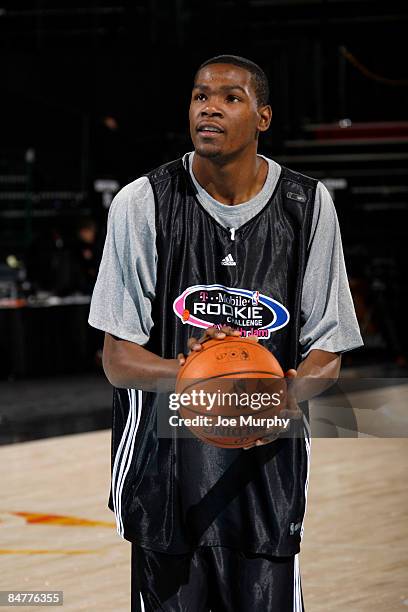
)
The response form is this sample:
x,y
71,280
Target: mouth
x,y
208,130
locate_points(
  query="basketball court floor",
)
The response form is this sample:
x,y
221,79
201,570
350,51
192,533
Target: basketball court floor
x,y
56,532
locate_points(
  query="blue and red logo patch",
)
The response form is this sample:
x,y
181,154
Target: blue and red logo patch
x,y
251,312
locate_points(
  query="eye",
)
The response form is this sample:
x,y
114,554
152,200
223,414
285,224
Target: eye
x,y
232,98
200,97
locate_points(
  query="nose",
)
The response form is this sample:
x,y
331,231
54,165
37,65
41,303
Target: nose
x,y
210,111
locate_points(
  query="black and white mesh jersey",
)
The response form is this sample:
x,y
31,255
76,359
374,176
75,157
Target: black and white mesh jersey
x,y
173,494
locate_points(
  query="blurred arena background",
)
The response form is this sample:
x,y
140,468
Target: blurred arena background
x,y
94,94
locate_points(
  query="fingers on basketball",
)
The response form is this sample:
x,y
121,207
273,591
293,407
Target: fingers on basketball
x,y
216,333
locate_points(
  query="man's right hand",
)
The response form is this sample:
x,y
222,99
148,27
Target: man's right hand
x,y
131,366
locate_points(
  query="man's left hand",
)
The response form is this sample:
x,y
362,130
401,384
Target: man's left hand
x,y
292,411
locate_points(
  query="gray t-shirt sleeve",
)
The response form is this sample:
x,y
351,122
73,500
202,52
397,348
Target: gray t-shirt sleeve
x,y
125,287
329,321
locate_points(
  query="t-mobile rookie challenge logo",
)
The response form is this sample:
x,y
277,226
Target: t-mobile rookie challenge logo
x,y
251,312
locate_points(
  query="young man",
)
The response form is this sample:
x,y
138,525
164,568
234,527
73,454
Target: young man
x,y
211,528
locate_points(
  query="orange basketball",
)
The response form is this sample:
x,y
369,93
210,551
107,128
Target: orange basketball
x,y
238,385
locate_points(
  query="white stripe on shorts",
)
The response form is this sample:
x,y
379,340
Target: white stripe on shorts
x,y
297,591
124,454
142,603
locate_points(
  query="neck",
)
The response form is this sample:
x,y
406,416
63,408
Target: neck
x,y
231,181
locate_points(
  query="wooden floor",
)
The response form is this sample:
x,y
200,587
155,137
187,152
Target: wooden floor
x,y
355,550
57,534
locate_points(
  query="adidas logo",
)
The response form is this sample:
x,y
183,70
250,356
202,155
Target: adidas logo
x,y
228,261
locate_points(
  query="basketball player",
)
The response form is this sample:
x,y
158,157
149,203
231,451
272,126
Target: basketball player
x,y
211,528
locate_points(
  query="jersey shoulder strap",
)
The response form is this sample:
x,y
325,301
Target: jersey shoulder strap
x,y
297,177
297,186
166,172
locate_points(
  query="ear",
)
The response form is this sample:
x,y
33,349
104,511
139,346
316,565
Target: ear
x,y
265,117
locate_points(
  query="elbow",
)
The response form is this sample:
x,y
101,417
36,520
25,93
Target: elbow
x,y
109,368
113,366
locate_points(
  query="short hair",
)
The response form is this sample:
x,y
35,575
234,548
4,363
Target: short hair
x,y
259,78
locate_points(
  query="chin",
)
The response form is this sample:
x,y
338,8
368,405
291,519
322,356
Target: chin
x,y
208,151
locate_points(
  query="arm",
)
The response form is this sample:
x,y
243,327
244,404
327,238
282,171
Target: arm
x,y
316,373
125,289
329,325
129,365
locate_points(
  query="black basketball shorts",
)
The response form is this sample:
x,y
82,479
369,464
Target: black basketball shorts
x,y
216,579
